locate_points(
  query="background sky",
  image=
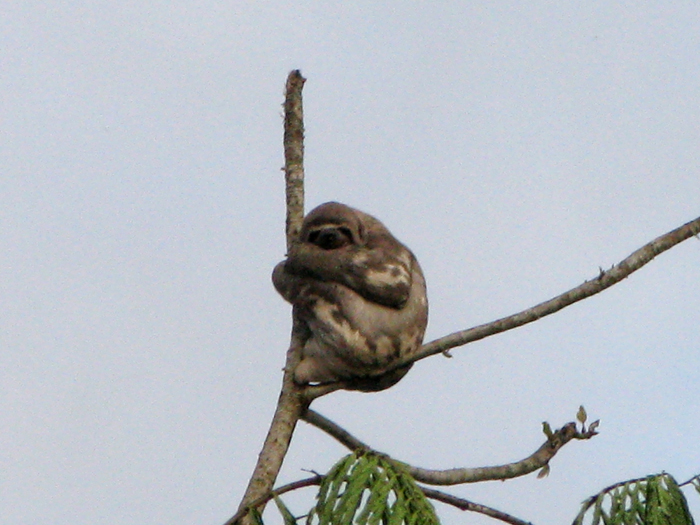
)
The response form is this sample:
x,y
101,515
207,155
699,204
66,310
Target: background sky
x,y
515,148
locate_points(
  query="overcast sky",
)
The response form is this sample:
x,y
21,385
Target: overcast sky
x,y
515,148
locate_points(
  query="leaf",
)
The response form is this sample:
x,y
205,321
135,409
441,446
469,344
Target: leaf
x,y
331,486
288,517
581,415
357,482
364,488
666,504
257,517
598,510
547,430
654,500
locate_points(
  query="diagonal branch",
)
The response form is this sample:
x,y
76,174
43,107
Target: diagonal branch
x,y
334,430
537,460
463,504
606,279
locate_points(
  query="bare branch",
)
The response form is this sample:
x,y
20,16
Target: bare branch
x,y
334,430
605,280
537,460
695,478
540,458
291,402
463,504
294,154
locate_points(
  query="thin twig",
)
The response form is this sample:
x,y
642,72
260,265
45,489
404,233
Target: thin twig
x,y
334,430
537,460
463,504
695,478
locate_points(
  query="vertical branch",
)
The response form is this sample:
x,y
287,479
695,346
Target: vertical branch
x,y
294,154
291,403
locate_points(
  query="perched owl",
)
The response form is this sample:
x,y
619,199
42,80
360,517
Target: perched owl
x,y
360,293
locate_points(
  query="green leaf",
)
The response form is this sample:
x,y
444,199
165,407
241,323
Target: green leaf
x,y
666,504
581,415
357,482
598,511
257,517
654,500
331,486
288,517
547,430
367,489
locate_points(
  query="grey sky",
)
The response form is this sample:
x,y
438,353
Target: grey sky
x,y
514,147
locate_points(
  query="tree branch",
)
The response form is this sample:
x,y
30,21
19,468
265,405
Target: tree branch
x,y
334,430
294,155
605,280
291,402
463,504
262,500
537,460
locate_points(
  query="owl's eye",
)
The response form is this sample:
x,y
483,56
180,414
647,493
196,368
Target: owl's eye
x,y
331,237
